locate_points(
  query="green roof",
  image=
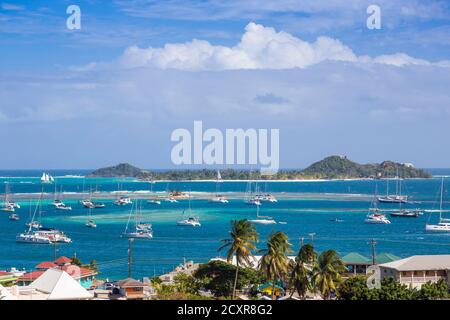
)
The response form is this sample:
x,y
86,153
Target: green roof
x,y
355,258
385,258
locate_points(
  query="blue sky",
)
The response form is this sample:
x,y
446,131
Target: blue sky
x,y
138,69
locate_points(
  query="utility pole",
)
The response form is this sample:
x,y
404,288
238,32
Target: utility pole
x,y
302,241
130,256
373,243
54,249
312,238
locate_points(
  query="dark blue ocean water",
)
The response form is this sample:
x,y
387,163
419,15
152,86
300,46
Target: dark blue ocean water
x,y
306,207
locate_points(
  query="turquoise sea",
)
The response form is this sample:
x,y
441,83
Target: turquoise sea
x,y
306,207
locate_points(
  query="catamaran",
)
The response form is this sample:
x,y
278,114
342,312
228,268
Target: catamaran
x,y
191,221
444,223
141,230
88,203
57,203
41,235
123,201
262,219
90,223
375,216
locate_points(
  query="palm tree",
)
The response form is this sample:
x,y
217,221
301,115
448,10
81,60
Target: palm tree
x,y
328,272
274,264
301,274
243,237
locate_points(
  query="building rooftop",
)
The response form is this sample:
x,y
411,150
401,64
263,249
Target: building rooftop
x,y
63,260
46,265
385,258
130,283
419,263
356,258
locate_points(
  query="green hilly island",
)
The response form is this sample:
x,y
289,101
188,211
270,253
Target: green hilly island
x,y
333,167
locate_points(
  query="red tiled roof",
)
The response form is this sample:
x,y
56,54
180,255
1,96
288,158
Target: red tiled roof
x,y
63,260
46,265
5,273
31,276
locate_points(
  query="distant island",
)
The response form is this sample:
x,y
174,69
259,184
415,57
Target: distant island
x,y
333,167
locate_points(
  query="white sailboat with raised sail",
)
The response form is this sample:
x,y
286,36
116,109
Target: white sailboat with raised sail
x,y
444,223
140,230
218,197
47,178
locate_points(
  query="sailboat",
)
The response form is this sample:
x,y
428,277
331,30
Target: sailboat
x,y
88,203
218,197
444,223
58,204
8,206
397,197
262,219
47,178
250,199
191,221
41,235
375,216
141,230
90,223
154,200
34,224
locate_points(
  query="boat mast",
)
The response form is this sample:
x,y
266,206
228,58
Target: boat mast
x,y
440,203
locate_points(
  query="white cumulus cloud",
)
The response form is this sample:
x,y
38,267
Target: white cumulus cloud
x,y
259,48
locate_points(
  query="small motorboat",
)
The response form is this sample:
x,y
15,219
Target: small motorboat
x,y
220,199
14,217
63,207
91,224
56,203
34,224
254,201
